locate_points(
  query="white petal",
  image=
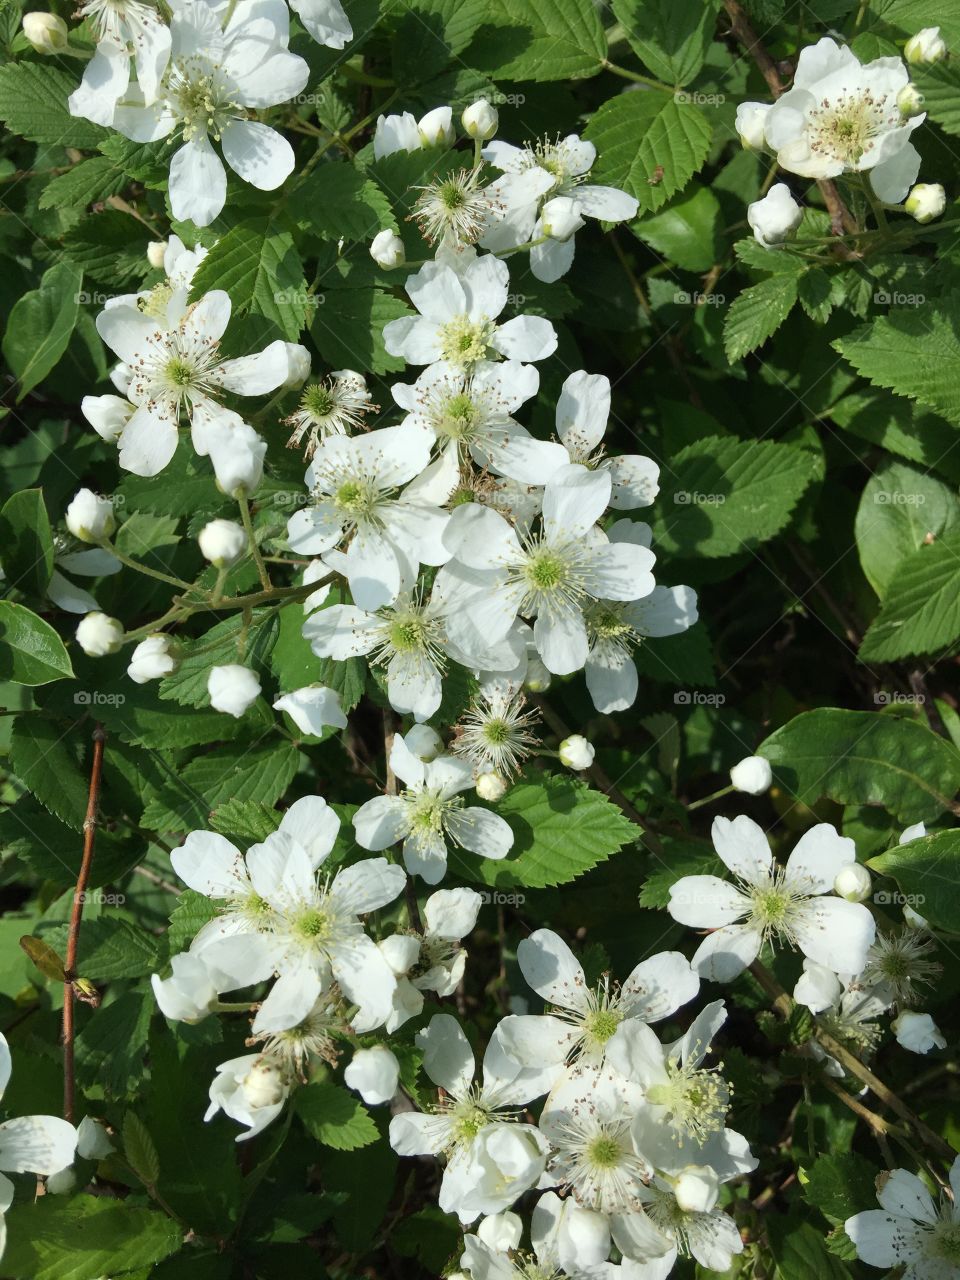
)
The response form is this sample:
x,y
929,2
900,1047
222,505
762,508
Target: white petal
x,y
147,443
209,864
561,639
658,986
552,970
573,502
313,709
818,857
36,1144
367,886
451,913
374,1074
257,374
291,998
834,933
447,1058
259,154
704,902
526,338
481,832
381,822
198,183
313,825
727,952
325,20
742,845
582,411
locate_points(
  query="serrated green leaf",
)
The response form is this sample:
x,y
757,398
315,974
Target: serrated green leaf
x,y
649,143
335,1117
800,1251
670,36
33,102
723,496
110,246
927,870
685,232
757,313
90,180
139,1149
258,264
859,757
336,201
229,641
40,324
245,820
188,917
46,767
538,40
840,1185
560,830
899,509
921,608
347,326
109,949
110,1047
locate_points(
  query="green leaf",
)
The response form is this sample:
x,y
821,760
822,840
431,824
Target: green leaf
x,y
44,958
800,1251
940,85
33,102
757,313
899,508
928,870
670,36
257,263
110,949
561,829
259,774
840,1185
538,40
859,757
724,496
649,143
245,820
901,427
336,201
347,326
90,180
921,608
26,542
40,325
682,858
914,351
44,764
686,232
139,1149
85,1237
335,1117
110,246
188,917
111,1047
31,652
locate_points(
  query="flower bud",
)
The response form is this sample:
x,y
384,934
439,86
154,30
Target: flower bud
x,y
423,741
491,786
264,1085
153,658
232,689
90,517
576,752
853,882
752,775
776,217
237,456
696,1188
298,365
917,1032
98,635
436,128
926,46
93,1142
926,201
913,918
480,120
222,542
374,1074
156,253
751,124
910,101
386,249
45,31
538,678
560,218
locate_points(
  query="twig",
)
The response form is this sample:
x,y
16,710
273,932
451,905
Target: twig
x,y
76,915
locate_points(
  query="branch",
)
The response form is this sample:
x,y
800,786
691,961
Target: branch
x,y
76,915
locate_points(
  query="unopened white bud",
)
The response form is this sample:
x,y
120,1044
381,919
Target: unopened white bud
x,y
538,678
156,252
386,249
153,658
853,882
910,101
696,1188
90,517
926,201
423,741
480,120
560,218
776,217
752,775
751,124
98,635
917,1032
926,46
576,752
491,786
298,365
232,689
46,32
264,1085
436,128
222,542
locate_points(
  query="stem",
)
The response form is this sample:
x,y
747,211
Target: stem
x,y
252,539
698,804
635,76
76,915
143,568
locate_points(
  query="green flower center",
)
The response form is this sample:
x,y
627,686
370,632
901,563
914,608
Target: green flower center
x,y
604,1152
312,925
545,571
318,400
464,342
355,498
600,1025
407,634
179,371
947,1242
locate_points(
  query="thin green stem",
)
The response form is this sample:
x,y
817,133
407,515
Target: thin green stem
x,y
244,504
698,804
635,76
143,568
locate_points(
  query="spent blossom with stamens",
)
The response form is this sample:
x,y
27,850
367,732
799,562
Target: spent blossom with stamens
x,y
898,963
453,210
336,405
496,731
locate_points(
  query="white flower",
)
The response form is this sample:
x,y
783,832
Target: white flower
x,y
213,78
495,734
926,201
335,406
222,542
237,454
709,1236
152,659
480,120
566,1239
312,709
232,688
90,517
428,813
45,31
776,217
98,635
768,903
582,1023
491,1157
751,123
553,575
576,752
458,318
386,249
356,483
752,775
842,117
909,1229
251,1090
453,209
853,882
917,1032
374,1073
436,128
926,46
534,174
582,413
122,27
175,366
